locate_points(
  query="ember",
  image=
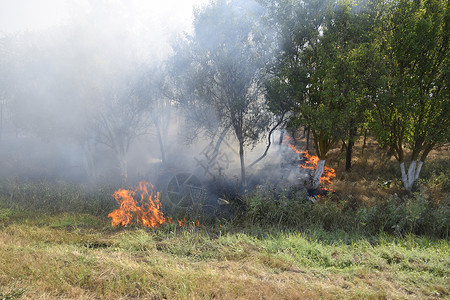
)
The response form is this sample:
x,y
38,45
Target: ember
x,y
146,212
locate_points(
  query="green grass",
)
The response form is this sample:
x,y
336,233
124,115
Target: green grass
x,y
80,256
369,240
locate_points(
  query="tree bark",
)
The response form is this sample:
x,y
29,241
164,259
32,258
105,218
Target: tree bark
x,y
418,169
281,137
364,142
123,166
404,176
348,155
411,174
307,139
241,157
161,143
318,173
411,177
349,149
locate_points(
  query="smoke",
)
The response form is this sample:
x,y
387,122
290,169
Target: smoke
x,y
87,99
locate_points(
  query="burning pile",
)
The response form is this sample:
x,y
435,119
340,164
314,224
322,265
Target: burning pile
x,y
148,212
310,163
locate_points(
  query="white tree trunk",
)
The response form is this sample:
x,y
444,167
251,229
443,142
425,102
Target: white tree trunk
x,y
318,173
418,169
413,174
123,166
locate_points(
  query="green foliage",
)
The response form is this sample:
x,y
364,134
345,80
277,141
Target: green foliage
x,y
410,105
270,208
413,214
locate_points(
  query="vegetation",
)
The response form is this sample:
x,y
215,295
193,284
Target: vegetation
x,y
378,62
223,71
281,246
79,256
340,69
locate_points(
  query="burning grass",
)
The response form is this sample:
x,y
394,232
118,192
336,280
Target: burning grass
x,y
147,211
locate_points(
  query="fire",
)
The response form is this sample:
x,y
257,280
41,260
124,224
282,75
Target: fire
x,y
146,212
182,223
311,162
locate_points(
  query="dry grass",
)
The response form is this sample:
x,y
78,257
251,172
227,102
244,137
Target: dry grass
x,y
375,175
76,254
41,262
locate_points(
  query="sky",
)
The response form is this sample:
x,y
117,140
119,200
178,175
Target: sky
x,y
36,15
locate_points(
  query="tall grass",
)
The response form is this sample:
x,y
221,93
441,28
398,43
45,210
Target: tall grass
x,y
56,197
409,214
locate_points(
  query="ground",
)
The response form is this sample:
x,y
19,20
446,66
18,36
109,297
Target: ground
x,y
56,242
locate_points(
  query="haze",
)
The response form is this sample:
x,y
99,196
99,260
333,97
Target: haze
x,y
72,74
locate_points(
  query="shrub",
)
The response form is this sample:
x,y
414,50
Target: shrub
x,y
410,214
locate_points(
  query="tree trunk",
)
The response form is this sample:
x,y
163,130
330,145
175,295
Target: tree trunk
x,y
348,155
123,167
160,139
281,137
364,142
161,144
318,173
241,157
349,149
410,178
307,139
404,176
418,169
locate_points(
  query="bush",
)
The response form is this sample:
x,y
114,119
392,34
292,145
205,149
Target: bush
x,y
411,214
277,208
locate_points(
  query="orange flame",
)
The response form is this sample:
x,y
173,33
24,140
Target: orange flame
x,y
148,213
182,223
311,164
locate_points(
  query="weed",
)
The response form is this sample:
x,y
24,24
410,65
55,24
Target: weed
x,y
14,293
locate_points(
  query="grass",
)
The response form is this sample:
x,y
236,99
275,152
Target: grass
x,y
78,256
368,240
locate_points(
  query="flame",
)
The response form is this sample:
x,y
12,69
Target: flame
x,y
310,163
148,212
182,223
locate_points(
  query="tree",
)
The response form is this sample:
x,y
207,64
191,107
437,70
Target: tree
x,y
411,106
299,26
324,61
225,58
151,87
121,118
343,61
